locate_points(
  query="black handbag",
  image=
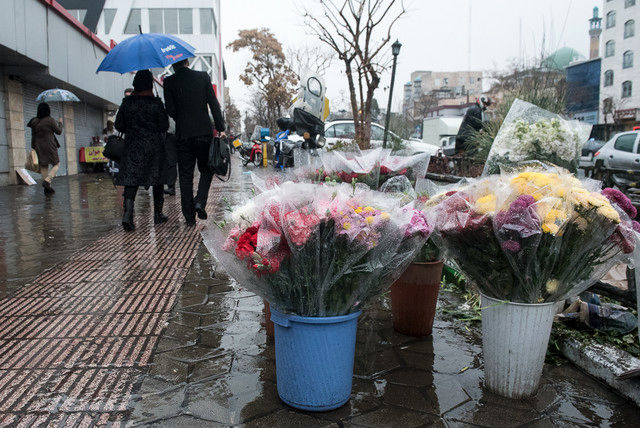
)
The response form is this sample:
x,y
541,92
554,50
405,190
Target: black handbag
x,y
220,158
114,149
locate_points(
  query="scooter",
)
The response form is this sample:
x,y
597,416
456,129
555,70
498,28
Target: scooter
x,y
283,149
251,153
309,127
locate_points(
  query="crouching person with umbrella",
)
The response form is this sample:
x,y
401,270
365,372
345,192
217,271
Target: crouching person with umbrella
x,y
144,122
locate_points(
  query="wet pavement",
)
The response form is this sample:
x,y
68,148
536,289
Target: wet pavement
x,y
104,328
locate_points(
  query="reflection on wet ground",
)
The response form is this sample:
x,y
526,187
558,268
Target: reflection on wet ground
x,y
37,232
212,364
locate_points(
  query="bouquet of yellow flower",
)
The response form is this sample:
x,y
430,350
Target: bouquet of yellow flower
x,y
535,236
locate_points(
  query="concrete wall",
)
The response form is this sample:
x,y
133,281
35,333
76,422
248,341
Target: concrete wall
x,y
4,143
40,49
37,32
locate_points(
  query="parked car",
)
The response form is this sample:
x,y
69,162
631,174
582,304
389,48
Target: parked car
x,y
619,153
617,163
589,150
344,130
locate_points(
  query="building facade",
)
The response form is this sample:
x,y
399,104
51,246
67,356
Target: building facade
x,y
195,21
620,76
439,88
583,90
42,46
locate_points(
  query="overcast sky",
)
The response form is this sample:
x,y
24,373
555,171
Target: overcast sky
x,y
434,36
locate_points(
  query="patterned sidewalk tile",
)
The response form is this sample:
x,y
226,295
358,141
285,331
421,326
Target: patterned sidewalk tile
x,y
75,342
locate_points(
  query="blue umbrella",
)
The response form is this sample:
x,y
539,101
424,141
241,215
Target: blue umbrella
x,y
145,51
57,95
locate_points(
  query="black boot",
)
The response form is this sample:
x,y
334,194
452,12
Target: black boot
x,y
158,217
127,217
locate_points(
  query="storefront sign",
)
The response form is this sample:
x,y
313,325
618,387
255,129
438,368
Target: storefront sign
x,y
93,154
626,114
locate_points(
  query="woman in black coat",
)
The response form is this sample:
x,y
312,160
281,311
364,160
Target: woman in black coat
x,y
44,142
143,121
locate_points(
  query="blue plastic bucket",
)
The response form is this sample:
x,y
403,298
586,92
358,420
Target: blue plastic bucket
x,y
314,359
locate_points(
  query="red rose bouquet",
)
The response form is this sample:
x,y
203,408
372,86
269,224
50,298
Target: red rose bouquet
x,y
318,250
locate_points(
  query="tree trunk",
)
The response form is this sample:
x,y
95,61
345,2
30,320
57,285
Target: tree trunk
x,y
354,107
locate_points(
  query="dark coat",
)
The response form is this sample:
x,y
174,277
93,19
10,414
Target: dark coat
x,y
471,122
143,121
189,96
43,140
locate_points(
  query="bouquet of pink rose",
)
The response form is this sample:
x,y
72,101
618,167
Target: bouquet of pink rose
x,y
318,250
534,236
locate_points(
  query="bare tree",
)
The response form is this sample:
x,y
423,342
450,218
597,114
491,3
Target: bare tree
x,y
311,58
358,31
266,71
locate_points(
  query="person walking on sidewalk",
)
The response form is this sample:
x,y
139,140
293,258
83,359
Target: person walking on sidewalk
x,y
44,142
143,121
172,159
188,95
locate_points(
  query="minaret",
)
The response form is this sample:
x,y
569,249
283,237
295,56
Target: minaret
x,y
595,29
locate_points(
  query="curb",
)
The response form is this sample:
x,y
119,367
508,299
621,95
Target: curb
x,y
605,363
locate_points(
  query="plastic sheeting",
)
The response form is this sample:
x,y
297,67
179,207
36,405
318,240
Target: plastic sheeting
x,y
317,250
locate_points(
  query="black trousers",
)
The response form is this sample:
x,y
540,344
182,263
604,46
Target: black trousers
x,y
192,151
172,160
158,192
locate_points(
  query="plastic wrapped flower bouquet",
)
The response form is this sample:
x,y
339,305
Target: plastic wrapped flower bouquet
x,y
531,133
372,167
350,167
318,250
534,237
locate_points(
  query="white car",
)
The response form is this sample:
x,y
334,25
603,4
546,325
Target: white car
x,y
344,130
622,152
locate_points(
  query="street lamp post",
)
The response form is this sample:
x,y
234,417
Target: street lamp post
x,y
395,50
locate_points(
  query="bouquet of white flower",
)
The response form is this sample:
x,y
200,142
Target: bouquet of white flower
x,y
530,133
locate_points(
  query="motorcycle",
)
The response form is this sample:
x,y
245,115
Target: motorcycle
x,y
309,110
251,153
283,150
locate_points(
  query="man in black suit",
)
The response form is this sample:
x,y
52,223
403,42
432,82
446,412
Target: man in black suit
x,y
188,97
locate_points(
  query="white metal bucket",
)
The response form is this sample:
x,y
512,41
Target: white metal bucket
x,y
514,342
